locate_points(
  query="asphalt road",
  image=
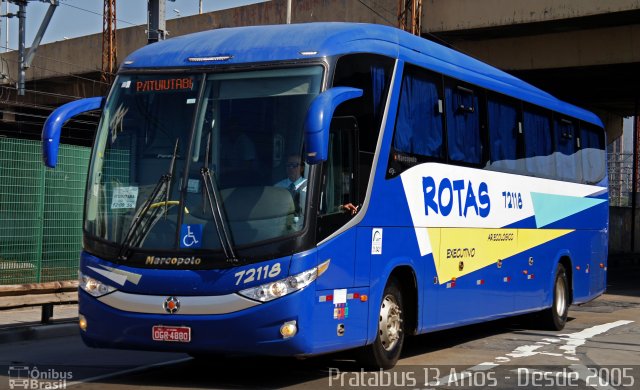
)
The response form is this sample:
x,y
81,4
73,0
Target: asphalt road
x,y
598,349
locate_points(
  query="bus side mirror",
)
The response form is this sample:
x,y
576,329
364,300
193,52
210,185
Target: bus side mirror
x,y
318,121
55,121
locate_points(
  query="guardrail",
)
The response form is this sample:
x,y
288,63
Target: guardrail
x,y
46,295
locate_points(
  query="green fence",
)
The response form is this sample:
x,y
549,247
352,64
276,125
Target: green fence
x,y
40,212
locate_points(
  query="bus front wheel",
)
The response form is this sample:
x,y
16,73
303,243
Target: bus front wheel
x,y
555,317
385,350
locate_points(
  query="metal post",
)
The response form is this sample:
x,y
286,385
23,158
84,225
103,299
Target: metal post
x,y
200,7
634,177
6,18
7,27
413,16
156,30
38,38
39,238
109,43
22,16
25,60
288,11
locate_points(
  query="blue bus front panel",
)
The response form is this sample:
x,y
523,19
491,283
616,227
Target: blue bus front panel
x,y
327,320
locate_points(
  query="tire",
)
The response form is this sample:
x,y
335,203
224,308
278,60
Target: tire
x,y
385,350
555,317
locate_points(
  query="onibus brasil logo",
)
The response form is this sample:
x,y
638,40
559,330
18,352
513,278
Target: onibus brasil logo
x,y
24,377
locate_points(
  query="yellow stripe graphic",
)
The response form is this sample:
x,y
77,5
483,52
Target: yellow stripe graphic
x,y
461,251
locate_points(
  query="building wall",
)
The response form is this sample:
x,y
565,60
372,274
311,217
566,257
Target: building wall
x,y
451,15
620,231
83,55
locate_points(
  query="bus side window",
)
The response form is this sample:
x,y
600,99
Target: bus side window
x,y
339,176
538,143
419,122
592,153
371,73
568,166
464,140
505,135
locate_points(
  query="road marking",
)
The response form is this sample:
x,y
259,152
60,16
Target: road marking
x,y
484,366
572,340
524,351
128,371
575,340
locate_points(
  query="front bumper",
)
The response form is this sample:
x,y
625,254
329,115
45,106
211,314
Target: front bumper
x,y
254,330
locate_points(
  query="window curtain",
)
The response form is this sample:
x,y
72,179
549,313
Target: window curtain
x,y
538,144
592,154
419,123
503,130
378,82
567,165
463,126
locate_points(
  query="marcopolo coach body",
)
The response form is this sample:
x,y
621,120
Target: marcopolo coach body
x,y
302,189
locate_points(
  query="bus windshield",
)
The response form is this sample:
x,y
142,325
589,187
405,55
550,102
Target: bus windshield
x,y
201,161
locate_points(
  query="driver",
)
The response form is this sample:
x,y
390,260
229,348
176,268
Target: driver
x,y
295,182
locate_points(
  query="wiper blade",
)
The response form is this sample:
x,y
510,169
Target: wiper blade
x,y
170,176
143,221
214,201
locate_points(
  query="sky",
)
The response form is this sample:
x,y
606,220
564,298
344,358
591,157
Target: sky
x,y
74,18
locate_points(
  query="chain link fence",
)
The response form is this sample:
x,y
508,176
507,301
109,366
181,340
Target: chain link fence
x,y
40,212
620,179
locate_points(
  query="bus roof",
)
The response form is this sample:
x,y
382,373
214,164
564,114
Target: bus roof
x,y
256,44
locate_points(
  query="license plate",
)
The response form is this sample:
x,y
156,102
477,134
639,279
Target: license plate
x,y
180,334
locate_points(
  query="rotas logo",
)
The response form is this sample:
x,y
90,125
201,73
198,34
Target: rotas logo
x,y
171,305
442,198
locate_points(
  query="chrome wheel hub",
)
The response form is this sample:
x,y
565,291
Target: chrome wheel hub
x,y
390,322
561,297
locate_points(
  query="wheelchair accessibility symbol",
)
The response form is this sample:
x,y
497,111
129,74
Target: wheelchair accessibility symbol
x,y
190,236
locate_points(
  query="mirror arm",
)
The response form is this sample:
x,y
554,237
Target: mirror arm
x,y
318,120
53,126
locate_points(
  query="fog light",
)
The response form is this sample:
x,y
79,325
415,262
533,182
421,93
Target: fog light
x,y
82,322
288,329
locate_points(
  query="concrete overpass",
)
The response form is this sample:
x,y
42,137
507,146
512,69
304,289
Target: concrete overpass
x,y
584,51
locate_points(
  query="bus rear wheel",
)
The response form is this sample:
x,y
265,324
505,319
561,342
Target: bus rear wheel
x,y
555,317
385,350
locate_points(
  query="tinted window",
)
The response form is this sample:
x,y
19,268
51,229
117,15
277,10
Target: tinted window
x,y
592,153
372,74
419,121
504,135
567,163
538,143
463,124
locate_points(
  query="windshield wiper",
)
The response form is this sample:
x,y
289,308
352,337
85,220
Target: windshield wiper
x,y
143,221
214,200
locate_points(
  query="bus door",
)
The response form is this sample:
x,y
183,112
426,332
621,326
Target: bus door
x,y
338,188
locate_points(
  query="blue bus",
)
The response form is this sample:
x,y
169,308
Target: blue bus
x,y
295,190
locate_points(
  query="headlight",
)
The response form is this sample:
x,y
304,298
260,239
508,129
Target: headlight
x,y
282,287
94,286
